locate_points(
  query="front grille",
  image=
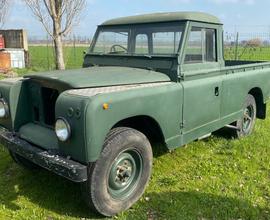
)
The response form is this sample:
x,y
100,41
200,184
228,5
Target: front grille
x,y
43,100
49,97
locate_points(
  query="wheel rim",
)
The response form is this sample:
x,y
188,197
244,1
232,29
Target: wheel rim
x,y
248,118
125,174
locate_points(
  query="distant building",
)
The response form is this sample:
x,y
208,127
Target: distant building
x,y
15,43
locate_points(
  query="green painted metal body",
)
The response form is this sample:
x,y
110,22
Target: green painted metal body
x,y
164,17
98,77
186,101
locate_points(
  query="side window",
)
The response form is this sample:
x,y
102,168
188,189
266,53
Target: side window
x,y
142,44
201,46
210,45
194,50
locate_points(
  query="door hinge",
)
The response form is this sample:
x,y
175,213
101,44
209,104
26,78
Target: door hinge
x,y
182,125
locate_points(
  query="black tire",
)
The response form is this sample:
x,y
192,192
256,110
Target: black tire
x,y
23,162
246,123
119,177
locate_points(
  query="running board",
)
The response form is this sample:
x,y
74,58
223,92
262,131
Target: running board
x,y
204,136
232,127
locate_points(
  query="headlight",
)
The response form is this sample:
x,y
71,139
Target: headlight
x,y
62,129
4,111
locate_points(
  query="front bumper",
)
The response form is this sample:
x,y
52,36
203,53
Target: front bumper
x,y
64,167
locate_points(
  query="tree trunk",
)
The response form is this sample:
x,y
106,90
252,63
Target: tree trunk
x,y
59,55
58,47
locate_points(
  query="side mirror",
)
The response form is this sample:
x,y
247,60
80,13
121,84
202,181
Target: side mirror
x,y
84,52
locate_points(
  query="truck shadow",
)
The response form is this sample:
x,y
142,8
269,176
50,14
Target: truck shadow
x,y
195,205
226,133
159,149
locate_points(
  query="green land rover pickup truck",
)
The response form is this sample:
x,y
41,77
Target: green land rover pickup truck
x,y
155,78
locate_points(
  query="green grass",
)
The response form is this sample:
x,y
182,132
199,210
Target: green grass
x,y
216,178
42,58
248,53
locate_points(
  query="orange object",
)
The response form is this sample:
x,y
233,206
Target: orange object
x,y
5,62
2,42
105,106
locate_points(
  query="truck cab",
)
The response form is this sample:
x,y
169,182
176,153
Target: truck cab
x,y
184,46
185,39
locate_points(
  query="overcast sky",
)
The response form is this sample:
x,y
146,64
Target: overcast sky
x,y
231,12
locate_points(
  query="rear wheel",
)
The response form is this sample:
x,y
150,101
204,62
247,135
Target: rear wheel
x,y
118,178
246,123
23,162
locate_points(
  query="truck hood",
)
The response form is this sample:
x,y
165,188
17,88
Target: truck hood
x,y
99,76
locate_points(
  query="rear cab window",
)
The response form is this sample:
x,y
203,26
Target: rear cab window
x,y
166,42
142,44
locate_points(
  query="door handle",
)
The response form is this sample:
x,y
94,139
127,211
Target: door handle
x,y
217,91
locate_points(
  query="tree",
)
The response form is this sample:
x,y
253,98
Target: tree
x,y
58,18
255,42
4,6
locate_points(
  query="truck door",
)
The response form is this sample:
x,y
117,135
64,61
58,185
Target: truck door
x,y
201,83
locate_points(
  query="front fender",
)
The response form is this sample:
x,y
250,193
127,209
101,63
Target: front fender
x,y
13,91
163,103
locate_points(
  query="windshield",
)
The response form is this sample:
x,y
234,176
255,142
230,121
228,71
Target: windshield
x,y
154,39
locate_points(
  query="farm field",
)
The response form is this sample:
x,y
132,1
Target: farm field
x,y
247,53
42,58
215,178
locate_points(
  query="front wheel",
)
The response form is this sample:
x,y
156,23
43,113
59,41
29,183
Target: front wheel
x,y
119,177
246,123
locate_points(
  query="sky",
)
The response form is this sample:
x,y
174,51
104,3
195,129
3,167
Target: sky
x,y
250,15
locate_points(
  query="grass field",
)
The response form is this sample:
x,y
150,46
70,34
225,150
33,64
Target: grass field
x,y
247,53
216,178
42,58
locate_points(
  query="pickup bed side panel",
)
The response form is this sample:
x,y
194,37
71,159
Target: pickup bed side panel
x,y
161,103
236,87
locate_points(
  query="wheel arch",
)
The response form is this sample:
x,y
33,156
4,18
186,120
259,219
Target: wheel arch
x,y
146,125
257,93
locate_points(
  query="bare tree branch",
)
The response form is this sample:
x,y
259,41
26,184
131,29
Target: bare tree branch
x,y
4,8
47,7
41,14
58,17
71,15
